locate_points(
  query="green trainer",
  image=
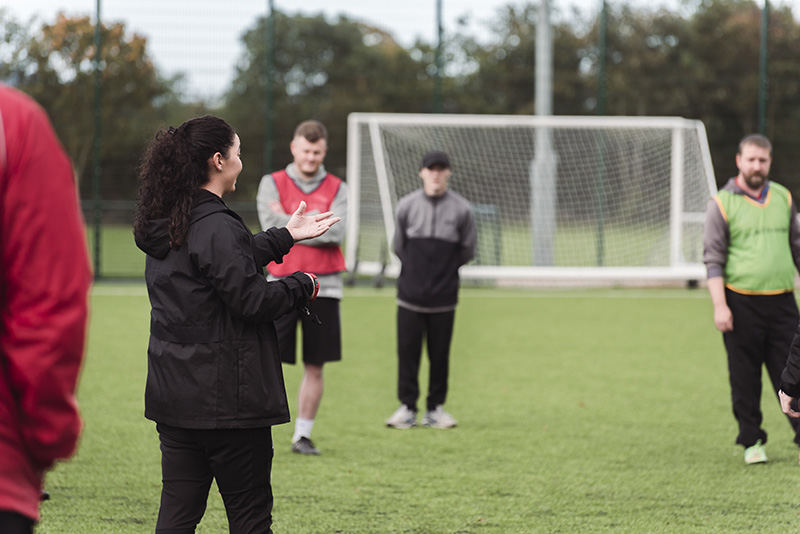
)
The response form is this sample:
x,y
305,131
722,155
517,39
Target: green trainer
x,y
755,454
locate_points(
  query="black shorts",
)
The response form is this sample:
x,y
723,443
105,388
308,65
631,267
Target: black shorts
x,y
321,342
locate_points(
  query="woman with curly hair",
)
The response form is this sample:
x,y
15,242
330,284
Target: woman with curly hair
x,y
214,380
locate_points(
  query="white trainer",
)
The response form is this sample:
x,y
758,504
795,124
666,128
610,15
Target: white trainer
x,y
402,418
439,418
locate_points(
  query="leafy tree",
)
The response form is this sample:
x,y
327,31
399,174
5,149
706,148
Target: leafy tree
x,y
700,62
324,71
783,103
727,45
505,77
645,66
706,67
56,67
14,37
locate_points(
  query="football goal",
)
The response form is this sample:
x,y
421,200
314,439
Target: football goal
x,y
606,198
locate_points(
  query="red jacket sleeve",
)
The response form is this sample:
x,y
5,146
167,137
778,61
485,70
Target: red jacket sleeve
x,y
45,282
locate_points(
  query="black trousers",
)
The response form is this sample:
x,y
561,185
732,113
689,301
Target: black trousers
x,y
322,343
239,459
412,328
763,328
14,523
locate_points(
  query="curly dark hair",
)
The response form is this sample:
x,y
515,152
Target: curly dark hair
x,y
173,166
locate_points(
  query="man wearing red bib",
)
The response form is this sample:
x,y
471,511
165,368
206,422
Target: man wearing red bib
x,y
279,194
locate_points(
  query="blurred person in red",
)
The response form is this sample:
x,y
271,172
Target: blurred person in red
x,y
45,276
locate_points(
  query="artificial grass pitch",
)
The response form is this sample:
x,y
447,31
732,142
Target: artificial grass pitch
x,y
579,411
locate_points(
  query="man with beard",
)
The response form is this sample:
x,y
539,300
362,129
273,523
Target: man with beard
x,y
752,246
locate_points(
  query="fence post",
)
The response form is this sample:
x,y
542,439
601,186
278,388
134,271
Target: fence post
x,y
763,79
96,170
269,115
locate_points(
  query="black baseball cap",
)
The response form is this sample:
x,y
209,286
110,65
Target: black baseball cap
x,y
436,157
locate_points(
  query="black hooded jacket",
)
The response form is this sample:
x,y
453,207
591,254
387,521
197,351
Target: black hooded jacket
x,y
213,353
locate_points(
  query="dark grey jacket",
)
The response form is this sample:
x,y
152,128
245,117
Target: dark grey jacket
x,y
213,353
434,236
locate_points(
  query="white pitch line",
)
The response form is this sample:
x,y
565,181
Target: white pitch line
x,y
104,289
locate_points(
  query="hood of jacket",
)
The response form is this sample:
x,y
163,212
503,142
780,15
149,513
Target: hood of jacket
x,y
155,242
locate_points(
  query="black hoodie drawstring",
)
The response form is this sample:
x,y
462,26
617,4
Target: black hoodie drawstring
x,y
311,316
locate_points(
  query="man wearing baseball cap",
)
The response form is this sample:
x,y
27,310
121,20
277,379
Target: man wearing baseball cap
x,y
434,158
434,236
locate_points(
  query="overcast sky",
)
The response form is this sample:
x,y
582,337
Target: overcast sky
x,y
201,37
406,19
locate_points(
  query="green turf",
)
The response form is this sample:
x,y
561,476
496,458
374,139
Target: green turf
x,y
575,245
580,411
119,257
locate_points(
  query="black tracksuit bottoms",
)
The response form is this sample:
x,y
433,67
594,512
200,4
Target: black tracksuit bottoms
x,y
763,328
239,459
412,328
14,523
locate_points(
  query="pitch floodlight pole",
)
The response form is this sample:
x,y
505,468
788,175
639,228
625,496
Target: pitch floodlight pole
x,y
543,166
437,87
543,96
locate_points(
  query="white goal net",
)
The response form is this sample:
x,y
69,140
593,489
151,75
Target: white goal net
x,y
554,197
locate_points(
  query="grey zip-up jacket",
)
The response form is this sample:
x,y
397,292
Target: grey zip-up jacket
x,y
434,236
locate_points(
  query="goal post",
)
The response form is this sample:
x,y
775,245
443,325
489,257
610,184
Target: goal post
x,y
557,197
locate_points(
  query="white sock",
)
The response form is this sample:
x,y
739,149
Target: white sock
x,y
302,428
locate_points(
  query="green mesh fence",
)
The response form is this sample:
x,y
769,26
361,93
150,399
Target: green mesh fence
x,y
164,61
195,47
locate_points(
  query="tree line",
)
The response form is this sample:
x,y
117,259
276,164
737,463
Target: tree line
x,y
701,62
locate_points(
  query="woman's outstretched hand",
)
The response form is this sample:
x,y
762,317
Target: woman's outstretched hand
x,y
307,226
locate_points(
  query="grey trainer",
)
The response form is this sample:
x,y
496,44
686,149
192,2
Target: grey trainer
x,y
402,418
305,446
439,418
